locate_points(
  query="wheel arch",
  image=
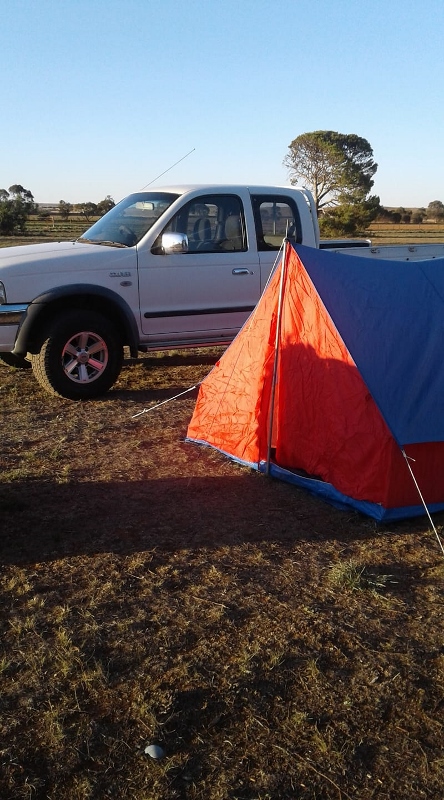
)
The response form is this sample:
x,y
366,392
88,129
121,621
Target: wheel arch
x,y
84,296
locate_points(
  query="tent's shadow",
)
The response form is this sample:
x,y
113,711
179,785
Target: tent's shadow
x,y
45,521
150,395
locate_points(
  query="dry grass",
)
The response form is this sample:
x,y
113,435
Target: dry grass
x,y
154,592
379,232
405,233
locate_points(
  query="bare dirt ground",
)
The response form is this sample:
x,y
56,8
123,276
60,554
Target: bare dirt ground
x,y
154,592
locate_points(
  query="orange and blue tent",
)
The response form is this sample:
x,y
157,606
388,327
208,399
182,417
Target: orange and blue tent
x,y
336,383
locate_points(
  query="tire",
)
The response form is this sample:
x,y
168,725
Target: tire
x,y
18,362
81,356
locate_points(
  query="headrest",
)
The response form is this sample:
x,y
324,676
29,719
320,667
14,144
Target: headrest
x,y
232,227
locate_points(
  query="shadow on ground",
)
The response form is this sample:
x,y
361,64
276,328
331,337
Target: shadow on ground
x,y
43,521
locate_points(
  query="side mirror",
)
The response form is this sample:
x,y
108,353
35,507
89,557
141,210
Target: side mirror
x,y
173,243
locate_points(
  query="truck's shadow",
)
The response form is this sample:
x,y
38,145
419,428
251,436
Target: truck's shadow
x,y
176,359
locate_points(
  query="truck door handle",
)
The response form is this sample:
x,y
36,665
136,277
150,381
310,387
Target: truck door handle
x,y
241,271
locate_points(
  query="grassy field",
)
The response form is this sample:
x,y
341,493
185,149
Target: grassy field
x,y
51,229
54,229
427,233
153,592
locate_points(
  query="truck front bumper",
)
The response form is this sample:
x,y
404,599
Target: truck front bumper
x,y
11,316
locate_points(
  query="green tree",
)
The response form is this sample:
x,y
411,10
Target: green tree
x,y
349,219
16,205
88,210
105,205
435,210
64,209
7,221
337,167
385,215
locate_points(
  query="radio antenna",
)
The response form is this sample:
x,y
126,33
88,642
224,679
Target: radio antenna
x,y
167,170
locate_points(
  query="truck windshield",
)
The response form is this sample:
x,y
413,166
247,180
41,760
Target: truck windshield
x,y
126,223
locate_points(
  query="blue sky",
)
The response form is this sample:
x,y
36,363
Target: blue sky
x,y
101,96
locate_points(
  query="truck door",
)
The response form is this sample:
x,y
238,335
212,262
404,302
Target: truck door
x,y
275,217
208,292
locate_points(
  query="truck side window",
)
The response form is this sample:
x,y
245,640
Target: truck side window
x,y
213,224
275,217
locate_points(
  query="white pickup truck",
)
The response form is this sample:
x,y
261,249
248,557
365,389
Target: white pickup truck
x,y
170,268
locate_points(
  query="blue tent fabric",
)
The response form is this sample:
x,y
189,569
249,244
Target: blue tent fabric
x,y
390,315
343,502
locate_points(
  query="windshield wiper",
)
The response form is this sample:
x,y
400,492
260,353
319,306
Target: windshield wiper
x,y
102,241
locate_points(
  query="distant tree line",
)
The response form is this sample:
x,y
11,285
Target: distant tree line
x,y
17,204
337,168
87,210
433,213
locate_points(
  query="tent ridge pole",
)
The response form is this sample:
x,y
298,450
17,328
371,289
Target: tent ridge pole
x,y
276,354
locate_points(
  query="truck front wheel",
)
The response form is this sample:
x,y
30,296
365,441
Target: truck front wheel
x,y
81,356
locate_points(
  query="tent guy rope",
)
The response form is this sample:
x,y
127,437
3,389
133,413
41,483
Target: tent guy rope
x,y
422,499
168,400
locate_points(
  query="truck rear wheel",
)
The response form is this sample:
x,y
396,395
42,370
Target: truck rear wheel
x,y
81,356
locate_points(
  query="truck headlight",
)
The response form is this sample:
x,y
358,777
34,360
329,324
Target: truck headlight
x,y
2,293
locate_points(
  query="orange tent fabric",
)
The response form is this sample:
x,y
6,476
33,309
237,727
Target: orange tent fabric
x,y
231,411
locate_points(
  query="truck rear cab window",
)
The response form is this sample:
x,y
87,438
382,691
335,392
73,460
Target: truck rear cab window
x,y
213,224
275,217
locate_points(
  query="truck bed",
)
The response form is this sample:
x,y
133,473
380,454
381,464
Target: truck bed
x,y
397,252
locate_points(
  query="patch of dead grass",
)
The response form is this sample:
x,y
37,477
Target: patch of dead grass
x,y
152,591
